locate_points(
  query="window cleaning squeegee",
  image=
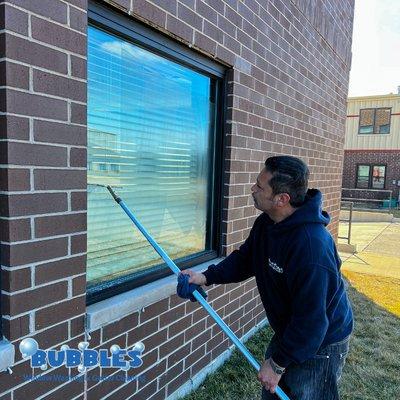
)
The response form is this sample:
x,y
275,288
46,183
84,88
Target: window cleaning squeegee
x,y
279,392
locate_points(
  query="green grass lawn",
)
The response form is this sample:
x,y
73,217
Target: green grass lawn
x,y
371,371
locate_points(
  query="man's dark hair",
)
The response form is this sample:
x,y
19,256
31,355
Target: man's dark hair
x,y
289,175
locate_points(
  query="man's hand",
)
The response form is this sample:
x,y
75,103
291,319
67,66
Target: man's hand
x,y
268,378
195,277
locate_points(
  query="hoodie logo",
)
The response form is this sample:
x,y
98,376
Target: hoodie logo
x,y
275,266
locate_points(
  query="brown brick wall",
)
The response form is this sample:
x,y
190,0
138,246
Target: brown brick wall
x,y
288,75
389,158
42,180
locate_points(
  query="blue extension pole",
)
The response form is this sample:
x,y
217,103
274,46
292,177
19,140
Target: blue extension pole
x,y
279,392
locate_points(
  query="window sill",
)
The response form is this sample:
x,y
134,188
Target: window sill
x,y
7,354
112,309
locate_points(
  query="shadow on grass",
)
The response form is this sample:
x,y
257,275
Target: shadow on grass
x,y
371,371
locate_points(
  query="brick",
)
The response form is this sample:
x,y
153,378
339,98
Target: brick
x,y
45,82
79,285
190,17
13,19
167,5
213,32
14,180
60,312
47,179
207,12
78,201
146,392
70,390
34,105
78,244
195,355
179,326
153,310
58,36
17,153
27,253
48,272
23,50
15,230
78,157
123,325
152,374
53,9
177,382
140,332
40,387
78,67
15,328
171,345
14,75
60,224
178,355
8,381
149,12
53,132
170,374
17,205
78,114
179,28
204,43
78,19
172,315
122,4
156,339
31,299
53,337
16,280
78,327
79,3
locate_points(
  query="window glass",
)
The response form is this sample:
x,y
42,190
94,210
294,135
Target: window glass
x,y
366,129
363,176
150,130
374,120
378,177
382,120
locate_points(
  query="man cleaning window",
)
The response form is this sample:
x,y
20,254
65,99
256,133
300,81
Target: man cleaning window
x,y
297,269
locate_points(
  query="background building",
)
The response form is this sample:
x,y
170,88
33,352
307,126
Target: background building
x,y
372,149
176,104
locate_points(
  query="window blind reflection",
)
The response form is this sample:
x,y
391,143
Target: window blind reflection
x,y
149,124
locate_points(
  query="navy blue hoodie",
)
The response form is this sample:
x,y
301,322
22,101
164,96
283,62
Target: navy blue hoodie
x,y
297,270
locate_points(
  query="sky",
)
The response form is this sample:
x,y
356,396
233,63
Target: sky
x,y
376,48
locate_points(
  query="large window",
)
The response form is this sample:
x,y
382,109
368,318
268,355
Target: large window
x,y
371,176
374,121
152,126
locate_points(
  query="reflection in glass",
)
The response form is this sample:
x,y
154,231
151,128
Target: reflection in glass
x,y
149,127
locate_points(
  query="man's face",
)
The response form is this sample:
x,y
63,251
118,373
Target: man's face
x,y
264,200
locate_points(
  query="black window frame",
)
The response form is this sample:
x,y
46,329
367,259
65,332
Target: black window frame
x,y
373,125
103,17
370,176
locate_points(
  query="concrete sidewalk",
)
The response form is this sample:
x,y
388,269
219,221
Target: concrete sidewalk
x,y
378,247
375,269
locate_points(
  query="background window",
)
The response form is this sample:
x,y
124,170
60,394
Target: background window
x,y
371,176
363,176
374,120
378,176
151,134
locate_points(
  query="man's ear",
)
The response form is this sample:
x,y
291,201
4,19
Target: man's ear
x,y
283,200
